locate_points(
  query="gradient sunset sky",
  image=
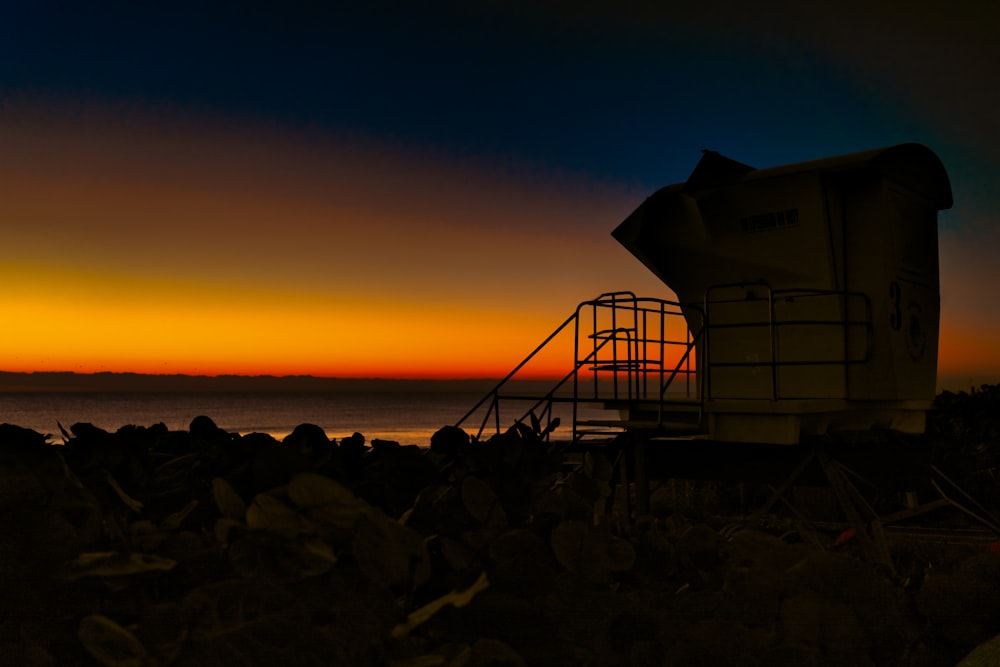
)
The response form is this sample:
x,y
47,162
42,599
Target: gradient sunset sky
x,y
426,189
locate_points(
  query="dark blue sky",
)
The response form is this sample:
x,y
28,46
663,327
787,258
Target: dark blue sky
x,y
627,94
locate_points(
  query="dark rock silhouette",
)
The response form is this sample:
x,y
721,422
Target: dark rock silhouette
x,y
449,441
307,439
158,545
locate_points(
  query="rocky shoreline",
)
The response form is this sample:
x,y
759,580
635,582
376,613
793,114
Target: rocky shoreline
x,y
201,547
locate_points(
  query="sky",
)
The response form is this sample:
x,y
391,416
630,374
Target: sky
x,y
427,189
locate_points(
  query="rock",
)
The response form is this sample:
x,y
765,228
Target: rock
x,y
963,607
26,654
656,557
204,428
449,441
352,456
757,548
859,585
711,643
521,564
85,431
824,625
307,439
644,654
19,483
790,656
494,653
583,617
698,546
21,438
630,628
513,623
984,655
751,596
395,475
355,441
274,465
663,500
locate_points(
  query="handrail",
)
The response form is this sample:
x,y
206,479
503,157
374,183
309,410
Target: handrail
x,y
548,397
774,324
494,393
517,368
619,347
680,362
623,341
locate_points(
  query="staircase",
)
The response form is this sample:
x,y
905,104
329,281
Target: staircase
x,y
632,367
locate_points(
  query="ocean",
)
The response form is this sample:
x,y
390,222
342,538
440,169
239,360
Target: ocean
x,y
406,417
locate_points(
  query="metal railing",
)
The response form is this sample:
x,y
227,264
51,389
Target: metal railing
x,y
626,350
845,313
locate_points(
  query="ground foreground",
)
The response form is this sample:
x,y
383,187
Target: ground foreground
x,y
150,547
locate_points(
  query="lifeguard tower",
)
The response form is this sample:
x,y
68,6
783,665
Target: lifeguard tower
x,y
814,287
807,303
803,340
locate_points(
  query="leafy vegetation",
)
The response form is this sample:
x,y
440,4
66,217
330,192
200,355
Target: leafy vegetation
x,y
153,547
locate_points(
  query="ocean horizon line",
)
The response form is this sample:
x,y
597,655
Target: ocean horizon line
x,y
135,382
126,381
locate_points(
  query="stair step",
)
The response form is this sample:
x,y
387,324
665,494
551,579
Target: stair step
x,y
639,423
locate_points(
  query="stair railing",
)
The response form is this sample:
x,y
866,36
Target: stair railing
x,y
621,349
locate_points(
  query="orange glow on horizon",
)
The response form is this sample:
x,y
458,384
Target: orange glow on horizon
x,y
968,350
167,246
86,322
180,247
63,320
71,320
